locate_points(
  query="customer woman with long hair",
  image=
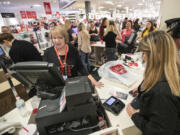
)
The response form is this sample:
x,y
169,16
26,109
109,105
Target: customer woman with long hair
x,y
159,93
126,32
84,46
149,28
110,36
72,36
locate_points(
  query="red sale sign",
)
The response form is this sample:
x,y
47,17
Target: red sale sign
x,y
47,8
33,14
57,14
29,14
23,14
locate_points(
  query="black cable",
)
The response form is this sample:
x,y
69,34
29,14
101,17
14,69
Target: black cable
x,y
100,124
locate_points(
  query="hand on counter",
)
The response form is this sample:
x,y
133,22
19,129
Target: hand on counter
x,y
98,84
7,75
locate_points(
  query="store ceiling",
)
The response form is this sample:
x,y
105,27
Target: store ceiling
x,y
96,5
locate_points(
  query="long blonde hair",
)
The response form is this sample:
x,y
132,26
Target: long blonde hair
x,y
82,28
110,28
67,24
162,60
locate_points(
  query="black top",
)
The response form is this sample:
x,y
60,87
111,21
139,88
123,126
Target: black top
x,y
73,61
93,37
70,32
110,39
22,50
159,111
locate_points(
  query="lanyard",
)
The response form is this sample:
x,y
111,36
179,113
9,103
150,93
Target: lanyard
x,y
59,58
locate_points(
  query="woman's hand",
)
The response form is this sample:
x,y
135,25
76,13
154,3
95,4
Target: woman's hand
x,y
94,82
98,84
130,110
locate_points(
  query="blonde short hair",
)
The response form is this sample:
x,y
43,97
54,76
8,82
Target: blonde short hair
x,y
60,30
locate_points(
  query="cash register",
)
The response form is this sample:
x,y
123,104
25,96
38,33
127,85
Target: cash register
x,y
79,116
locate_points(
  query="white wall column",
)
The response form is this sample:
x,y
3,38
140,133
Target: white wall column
x,y
169,9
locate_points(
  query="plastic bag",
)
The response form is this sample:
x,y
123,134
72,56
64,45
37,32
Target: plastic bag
x,y
127,78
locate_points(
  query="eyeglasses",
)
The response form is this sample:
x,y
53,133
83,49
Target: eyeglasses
x,y
54,38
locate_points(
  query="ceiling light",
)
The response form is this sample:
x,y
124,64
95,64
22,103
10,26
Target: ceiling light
x,y
140,4
119,5
8,2
36,5
158,2
101,7
109,2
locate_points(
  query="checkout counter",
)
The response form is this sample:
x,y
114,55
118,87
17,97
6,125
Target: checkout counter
x,y
117,123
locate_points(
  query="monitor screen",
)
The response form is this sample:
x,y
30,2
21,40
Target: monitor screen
x,y
34,73
110,101
75,30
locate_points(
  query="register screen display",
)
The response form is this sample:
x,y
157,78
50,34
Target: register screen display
x,y
110,101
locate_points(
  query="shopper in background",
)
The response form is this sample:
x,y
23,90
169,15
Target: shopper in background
x,y
126,32
5,29
84,46
149,28
159,93
66,56
124,23
72,36
136,25
110,36
102,27
93,32
20,50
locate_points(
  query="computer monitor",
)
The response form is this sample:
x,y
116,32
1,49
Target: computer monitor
x,y
75,30
43,75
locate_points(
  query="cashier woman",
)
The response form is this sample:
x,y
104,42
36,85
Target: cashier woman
x,y
66,56
159,94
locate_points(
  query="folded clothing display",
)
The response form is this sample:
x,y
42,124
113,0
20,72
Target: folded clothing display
x,y
114,71
119,69
134,64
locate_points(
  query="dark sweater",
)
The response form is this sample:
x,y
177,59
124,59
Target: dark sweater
x,y
22,50
110,39
73,60
159,111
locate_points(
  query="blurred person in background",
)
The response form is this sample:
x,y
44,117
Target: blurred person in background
x,y
110,36
149,28
124,23
71,34
173,26
5,29
84,46
20,50
136,25
93,32
103,27
126,32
